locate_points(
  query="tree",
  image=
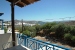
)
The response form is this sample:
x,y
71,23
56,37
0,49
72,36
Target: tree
x,y
53,28
60,30
67,29
26,32
73,38
37,27
5,30
72,31
46,26
67,36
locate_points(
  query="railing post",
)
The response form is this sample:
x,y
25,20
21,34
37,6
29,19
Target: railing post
x,y
18,38
27,43
25,40
53,48
46,47
36,45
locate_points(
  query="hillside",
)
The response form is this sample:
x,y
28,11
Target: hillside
x,y
41,22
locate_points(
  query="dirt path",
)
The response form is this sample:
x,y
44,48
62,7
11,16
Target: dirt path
x,y
40,38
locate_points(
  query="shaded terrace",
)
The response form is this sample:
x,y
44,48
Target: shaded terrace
x,y
22,3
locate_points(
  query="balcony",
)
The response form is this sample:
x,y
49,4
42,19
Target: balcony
x,y
35,44
25,42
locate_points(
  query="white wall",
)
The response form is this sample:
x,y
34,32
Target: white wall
x,y
1,31
9,30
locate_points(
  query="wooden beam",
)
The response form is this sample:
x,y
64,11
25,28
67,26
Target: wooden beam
x,y
29,1
20,4
12,0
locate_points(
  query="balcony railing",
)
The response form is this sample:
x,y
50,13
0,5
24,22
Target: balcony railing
x,y
35,44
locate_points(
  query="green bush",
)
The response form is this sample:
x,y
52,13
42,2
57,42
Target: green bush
x,y
60,30
67,36
32,29
26,33
72,30
67,29
37,27
73,38
5,30
46,26
53,28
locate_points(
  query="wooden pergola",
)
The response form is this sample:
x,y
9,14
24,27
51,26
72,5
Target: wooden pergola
x,y
20,3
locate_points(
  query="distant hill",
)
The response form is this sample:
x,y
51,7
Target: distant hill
x,y
41,22
72,22
30,22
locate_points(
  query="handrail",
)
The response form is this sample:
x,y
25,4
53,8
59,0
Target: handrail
x,y
44,43
40,41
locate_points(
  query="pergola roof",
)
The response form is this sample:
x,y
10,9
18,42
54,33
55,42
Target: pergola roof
x,y
23,3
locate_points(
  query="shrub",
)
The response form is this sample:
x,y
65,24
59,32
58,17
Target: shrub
x,y
5,30
37,28
46,26
26,33
67,29
53,28
67,36
73,38
72,30
60,30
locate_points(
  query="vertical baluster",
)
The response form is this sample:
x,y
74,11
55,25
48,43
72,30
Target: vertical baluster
x,y
18,38
25,40
50,48
53,48
46,47
19,35
33,47
36,46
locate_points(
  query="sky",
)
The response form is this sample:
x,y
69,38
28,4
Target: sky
x,y
43,10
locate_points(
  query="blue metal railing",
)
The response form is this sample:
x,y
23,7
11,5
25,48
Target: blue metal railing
x,y
35,44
